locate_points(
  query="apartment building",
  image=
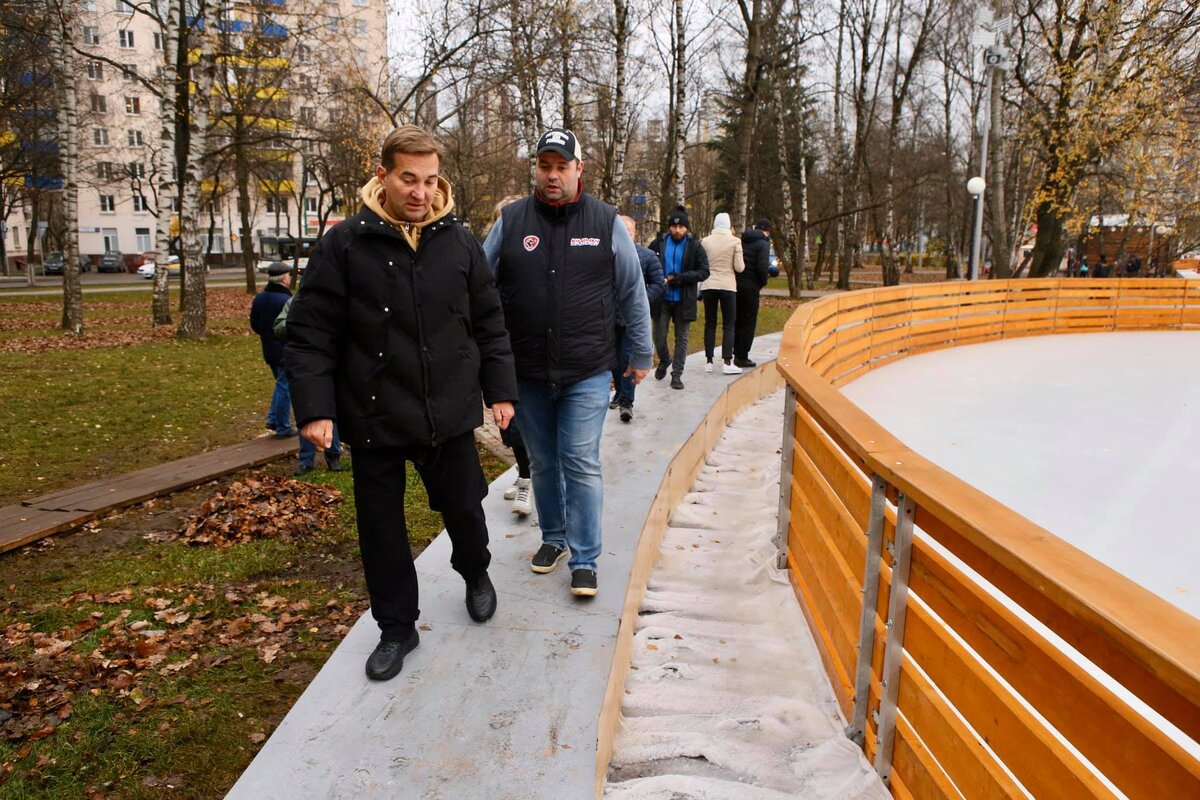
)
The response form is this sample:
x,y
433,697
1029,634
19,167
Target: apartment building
x,y
280,66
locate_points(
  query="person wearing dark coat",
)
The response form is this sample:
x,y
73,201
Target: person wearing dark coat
x,y
624,389
397,334
685,266
263,310
756,251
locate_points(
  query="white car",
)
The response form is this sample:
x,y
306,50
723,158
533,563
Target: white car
x,y
146,270
266,262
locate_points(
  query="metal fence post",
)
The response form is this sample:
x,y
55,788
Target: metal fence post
x,y
893,649
870,598
785,476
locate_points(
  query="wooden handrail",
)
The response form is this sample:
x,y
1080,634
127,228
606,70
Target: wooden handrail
x,y
1145,643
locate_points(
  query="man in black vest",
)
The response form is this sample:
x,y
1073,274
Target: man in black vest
x,y
564,261
395,334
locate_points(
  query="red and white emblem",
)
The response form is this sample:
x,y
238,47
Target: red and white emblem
x,y
531,243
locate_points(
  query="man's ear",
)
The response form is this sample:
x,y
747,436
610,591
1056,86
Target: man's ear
x,y
380,172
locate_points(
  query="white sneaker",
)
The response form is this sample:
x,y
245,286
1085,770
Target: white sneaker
x,y
708,367
730,369
523,502
511,492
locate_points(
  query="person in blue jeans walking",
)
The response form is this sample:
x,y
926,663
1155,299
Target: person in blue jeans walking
x,y
624,389
263,310
564,262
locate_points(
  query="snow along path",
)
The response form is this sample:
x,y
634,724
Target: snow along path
x,y
726,695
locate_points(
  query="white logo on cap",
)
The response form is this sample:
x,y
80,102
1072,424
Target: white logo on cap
x,y
556,137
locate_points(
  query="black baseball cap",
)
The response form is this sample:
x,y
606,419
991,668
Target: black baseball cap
x,y
561,141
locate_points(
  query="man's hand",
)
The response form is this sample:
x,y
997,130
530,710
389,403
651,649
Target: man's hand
x,y
636,374
319,432
503,414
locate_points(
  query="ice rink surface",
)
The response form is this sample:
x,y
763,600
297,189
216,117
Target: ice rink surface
x,y
1095,437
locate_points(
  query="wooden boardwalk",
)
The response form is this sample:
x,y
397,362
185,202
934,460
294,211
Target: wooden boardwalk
x,y
68,509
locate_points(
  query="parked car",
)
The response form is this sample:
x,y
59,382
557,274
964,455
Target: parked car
x,y
111,262
773,264
52,264
146,270
263,263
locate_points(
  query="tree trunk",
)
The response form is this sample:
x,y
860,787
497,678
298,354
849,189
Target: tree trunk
x,y
680,97
791,229
168,186
1048,246
614,172
193,322
1001,247
68,125
241,171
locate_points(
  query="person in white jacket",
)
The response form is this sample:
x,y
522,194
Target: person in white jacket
x,y
719,292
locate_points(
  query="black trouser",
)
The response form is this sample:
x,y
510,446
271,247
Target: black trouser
x,y
726,301
747,320
671,313
454,481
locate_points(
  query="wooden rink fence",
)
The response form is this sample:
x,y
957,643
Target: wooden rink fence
x,y
964,612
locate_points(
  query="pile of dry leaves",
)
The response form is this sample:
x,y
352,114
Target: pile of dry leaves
x,y
139,638
261,507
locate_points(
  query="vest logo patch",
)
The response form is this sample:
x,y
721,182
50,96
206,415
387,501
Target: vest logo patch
x,y
531,243
585,241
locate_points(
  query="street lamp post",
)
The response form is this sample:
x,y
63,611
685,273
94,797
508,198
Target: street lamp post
x,y
976,187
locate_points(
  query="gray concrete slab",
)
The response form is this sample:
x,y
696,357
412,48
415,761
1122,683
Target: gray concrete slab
x,y
503,710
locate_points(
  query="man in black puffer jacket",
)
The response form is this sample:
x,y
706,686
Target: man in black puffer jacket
x,y
756,250
395,333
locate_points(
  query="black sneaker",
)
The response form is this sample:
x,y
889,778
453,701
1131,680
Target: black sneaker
x,y
583,582
626,413
660,371
334,464
386,661
676,382
547,558
612,404
303,469
286,434
744,363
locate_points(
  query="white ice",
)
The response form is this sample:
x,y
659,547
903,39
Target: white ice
x,y
726,696
1095,437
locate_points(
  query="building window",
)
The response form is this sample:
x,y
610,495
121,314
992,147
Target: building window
x,y
128,72
124,7
125,37
143,234
100,137
133,105
310,205
91,34
360,3
135,138
99,103
108,204
360,27
137,169
307,115
302,54
95,71
140,206
104,170
276,204
158,41
89,6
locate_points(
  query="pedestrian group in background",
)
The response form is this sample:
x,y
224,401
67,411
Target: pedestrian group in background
x,y
404,327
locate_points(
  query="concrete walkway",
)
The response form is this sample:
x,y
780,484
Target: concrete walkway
x,y
503,710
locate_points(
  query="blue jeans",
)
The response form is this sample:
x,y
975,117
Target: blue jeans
x,y
279,415
625,387
561,428
308,450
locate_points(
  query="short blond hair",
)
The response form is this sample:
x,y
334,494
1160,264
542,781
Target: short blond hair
x,y
505,201
409,139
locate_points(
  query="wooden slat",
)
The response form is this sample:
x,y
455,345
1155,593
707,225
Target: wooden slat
x,y
810,603
1043,764
21,526
1136,756
916,771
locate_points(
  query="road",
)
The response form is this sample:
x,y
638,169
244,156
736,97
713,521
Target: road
x,y
92,282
